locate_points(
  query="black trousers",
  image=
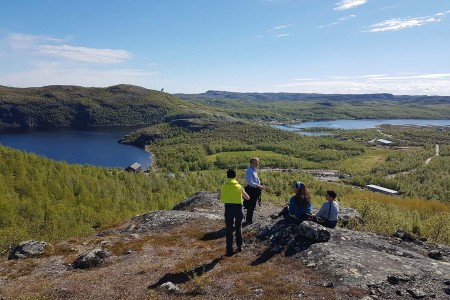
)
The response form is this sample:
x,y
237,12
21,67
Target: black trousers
x,y
233,219
250,205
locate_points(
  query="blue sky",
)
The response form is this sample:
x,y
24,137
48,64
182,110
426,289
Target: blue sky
x,y
191,46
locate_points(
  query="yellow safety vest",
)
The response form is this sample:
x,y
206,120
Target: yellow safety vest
x,y
231,192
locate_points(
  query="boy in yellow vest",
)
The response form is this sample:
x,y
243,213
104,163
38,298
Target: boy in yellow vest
x,y
231,195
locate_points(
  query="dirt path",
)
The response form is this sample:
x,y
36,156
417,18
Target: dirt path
x,y
427,161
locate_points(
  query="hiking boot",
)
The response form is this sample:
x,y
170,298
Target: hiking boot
x,y
239,249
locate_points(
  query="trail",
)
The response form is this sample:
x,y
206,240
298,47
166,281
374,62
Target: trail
x,y
427,161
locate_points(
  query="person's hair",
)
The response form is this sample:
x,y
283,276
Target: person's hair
x,y
254,159
332,194
302,198
231,173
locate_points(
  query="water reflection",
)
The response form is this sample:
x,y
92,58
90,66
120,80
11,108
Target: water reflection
x,y
94,146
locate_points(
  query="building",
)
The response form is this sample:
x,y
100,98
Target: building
x,y
136,168
380,189
384,142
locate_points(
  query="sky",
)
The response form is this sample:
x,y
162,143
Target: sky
x,y
191,46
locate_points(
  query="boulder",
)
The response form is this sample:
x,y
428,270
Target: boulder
x,y
169,287
93,258
349,216
28,249
404,236
289,237
435,254
313,231
200,201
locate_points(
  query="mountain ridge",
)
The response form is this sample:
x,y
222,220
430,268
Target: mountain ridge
x,y
272,96
57,105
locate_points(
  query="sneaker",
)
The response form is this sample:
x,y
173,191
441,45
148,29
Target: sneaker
x,y
228,254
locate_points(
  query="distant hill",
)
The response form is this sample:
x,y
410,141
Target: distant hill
x,y
128,105
299,107
313,96
119,105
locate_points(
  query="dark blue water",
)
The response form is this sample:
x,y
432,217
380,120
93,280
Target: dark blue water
x,y
96,146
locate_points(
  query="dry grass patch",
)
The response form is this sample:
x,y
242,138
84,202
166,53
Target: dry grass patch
x,y
22,268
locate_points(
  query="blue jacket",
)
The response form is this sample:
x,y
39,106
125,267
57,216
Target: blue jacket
x,y
297,211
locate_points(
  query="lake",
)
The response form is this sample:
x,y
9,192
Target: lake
x,y
94,146
359,124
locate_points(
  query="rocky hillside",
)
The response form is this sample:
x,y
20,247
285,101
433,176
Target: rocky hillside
x,y
178,254
123,105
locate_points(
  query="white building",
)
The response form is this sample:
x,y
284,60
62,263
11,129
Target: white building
x,y
380,189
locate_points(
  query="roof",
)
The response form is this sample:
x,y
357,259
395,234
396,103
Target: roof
x,y
383,141
380,188
135,166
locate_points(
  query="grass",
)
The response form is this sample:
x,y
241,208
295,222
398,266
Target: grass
x,y
367,161
384,214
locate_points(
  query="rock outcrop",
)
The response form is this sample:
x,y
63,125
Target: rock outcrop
x,y
28,249
167,253
93,258
388,267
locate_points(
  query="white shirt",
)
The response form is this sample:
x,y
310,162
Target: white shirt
x,y
252,177
330,209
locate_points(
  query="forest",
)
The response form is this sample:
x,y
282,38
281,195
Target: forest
x,y
128,105
195,141
72,106
48,200
294,108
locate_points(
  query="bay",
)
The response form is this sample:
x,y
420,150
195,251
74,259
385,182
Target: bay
x,y
359,124
94,146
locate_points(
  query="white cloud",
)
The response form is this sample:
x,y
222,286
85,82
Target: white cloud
x,y
423,84
347,4
399,24
282,27
42,60
338,21
338,77
346,18
20,42
277,31
31,45
423,76
373,76
94,55
47,73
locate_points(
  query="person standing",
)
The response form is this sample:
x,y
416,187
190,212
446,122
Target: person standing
x,y
231,195
328,214
253,188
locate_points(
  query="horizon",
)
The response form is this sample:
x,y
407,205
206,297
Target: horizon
x,y
397,47
223,91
